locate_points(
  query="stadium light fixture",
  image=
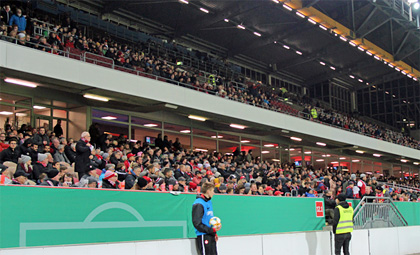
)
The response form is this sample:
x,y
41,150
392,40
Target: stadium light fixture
x,y
351,76
391,65
286,47
312,21
241,27
332,68
204,10
96,97
109,118
352,44
414,78
409,76
342,38
194,117
245,141
322,63
334,162
416,6
292,149
404,160
265,152
269,145
186,131
237,126
342,158
296,138
360,80
355,160
276,1
323,27
360,48
38,107
257,34
276,160
369,53
377,58
150,125
321,144
360,152
300,15
416,163
21,82
319,160
285,6
308,152
299,53
387,92
6,113
184,1
214,136
226,20
377,155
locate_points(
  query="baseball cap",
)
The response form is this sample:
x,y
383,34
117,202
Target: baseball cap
x,y
242,177
209,173
19,173
130,155
269,188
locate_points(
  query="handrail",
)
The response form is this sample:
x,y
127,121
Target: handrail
x,y
299,114
386,201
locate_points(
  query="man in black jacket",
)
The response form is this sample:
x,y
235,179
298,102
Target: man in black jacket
x,y
202,212
82,154
11,153
329,206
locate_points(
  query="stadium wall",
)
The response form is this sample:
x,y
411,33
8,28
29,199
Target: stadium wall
x,y
38,216
387,241
69,70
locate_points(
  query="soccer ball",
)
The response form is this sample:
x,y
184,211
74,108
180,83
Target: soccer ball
x,y
215,222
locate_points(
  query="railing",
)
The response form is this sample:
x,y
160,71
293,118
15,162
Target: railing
x,y
377,212
401,187
95,59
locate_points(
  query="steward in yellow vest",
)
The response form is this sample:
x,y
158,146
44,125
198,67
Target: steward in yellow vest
x,y
314,113
342,224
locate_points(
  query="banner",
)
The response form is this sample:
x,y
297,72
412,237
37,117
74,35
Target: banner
x,y
40,216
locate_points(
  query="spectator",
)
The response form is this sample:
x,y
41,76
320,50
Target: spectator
x,y
6,175
3,143
83,151
20,178
42,139
330,205
58,130
40,166
110,180
6,14
19,20
60,156
26,165
53,178
11,153
66,180
130,180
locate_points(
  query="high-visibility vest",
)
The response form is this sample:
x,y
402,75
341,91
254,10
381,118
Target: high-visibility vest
x,y
212,80
314,113
345,224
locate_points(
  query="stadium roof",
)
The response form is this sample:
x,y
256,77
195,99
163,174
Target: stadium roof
x,y
307,41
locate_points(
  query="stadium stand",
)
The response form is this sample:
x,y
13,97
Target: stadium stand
x,y
169,167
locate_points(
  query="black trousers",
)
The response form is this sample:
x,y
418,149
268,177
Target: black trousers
x,y
206,245
342,240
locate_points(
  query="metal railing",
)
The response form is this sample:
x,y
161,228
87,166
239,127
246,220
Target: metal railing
x,y
94,59
377,212
393,185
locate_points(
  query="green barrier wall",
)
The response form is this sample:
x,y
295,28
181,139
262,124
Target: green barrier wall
x,y
410,211
36,216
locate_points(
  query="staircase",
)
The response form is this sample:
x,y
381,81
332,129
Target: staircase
x,y
374,212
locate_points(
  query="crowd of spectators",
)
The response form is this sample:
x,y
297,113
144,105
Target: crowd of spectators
x,y
98,160
65,34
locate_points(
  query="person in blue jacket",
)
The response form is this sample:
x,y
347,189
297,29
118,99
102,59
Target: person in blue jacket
x,y
202,212
19,20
